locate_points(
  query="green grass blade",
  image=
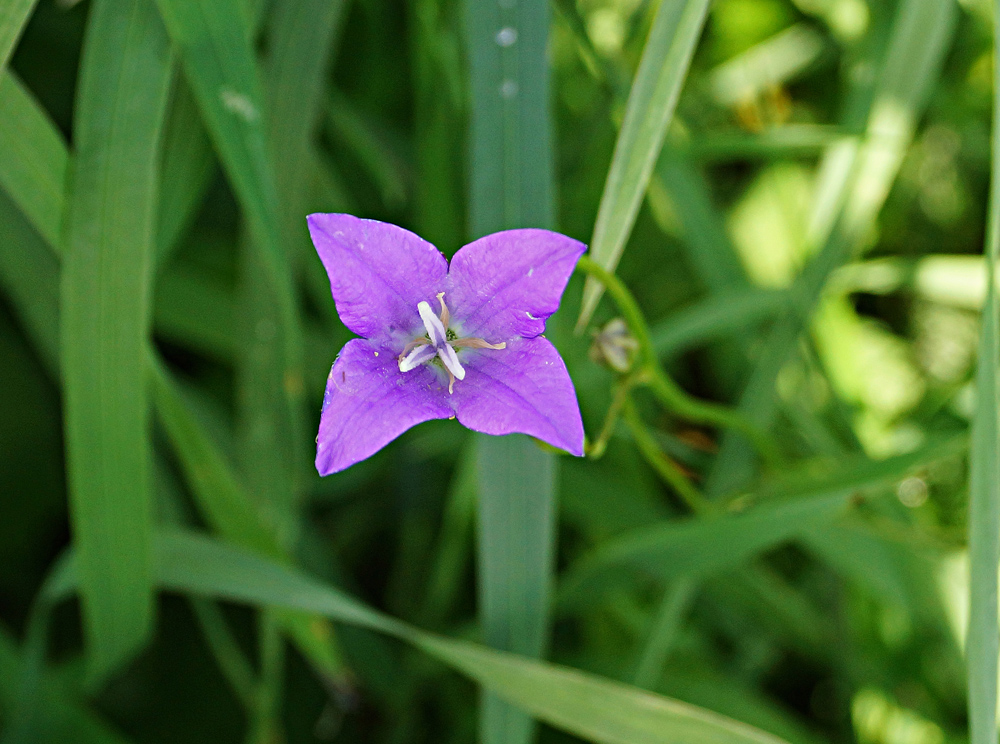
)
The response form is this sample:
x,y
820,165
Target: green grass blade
x,y
714,318
698,546
186,173
14,15
438,90
511,185
709,248
920,37
33,158
651,104
788,141
302,37
121,101
218,495
29,276
213,39
215,45
60,719
701,546
226,506
983,640
583,704
663,631
195,311
271,437
516,545
347,125
588,706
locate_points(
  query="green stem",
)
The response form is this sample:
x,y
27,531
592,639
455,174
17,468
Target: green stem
x,y
663,465
669,393
265,716
622,387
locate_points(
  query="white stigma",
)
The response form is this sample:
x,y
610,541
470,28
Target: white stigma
x,y
416,357
435,328
422,350
450,359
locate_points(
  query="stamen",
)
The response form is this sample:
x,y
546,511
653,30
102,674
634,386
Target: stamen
x,y
477,343
435,329
451,382
450,359
419,355
445,315
411,346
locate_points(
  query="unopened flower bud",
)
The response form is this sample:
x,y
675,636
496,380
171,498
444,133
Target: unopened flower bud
x,y
614,346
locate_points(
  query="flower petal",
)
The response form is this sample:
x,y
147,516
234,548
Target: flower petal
x,y
369,402
378,273
508,283
524,388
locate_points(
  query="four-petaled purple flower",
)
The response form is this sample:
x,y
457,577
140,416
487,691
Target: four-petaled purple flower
x,y
440,343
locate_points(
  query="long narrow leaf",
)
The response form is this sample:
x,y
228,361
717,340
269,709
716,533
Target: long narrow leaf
x,y
583,704
700,546
651,105
921,35
33,158
511,185
13,15
214,41
983,644
105,321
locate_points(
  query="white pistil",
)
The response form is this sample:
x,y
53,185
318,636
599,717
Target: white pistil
x,y
419,355
450,359
435,328
422,350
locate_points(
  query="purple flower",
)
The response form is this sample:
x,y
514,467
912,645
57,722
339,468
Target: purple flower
x,y
440,343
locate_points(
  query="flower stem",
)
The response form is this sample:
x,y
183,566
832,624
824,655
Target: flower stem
x,y
666,468
622,387
652,374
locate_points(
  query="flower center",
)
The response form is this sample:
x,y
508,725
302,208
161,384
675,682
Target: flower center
x,y
440,343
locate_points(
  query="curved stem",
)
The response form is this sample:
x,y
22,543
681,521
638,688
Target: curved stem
x,y
666,468
596,450
669,393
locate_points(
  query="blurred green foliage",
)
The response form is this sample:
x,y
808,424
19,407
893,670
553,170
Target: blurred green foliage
x,y
807,254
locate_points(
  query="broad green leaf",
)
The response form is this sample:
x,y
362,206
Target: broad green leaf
x,y
105,316
511,185
983,640
651,103
582,704
13,15
33,159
